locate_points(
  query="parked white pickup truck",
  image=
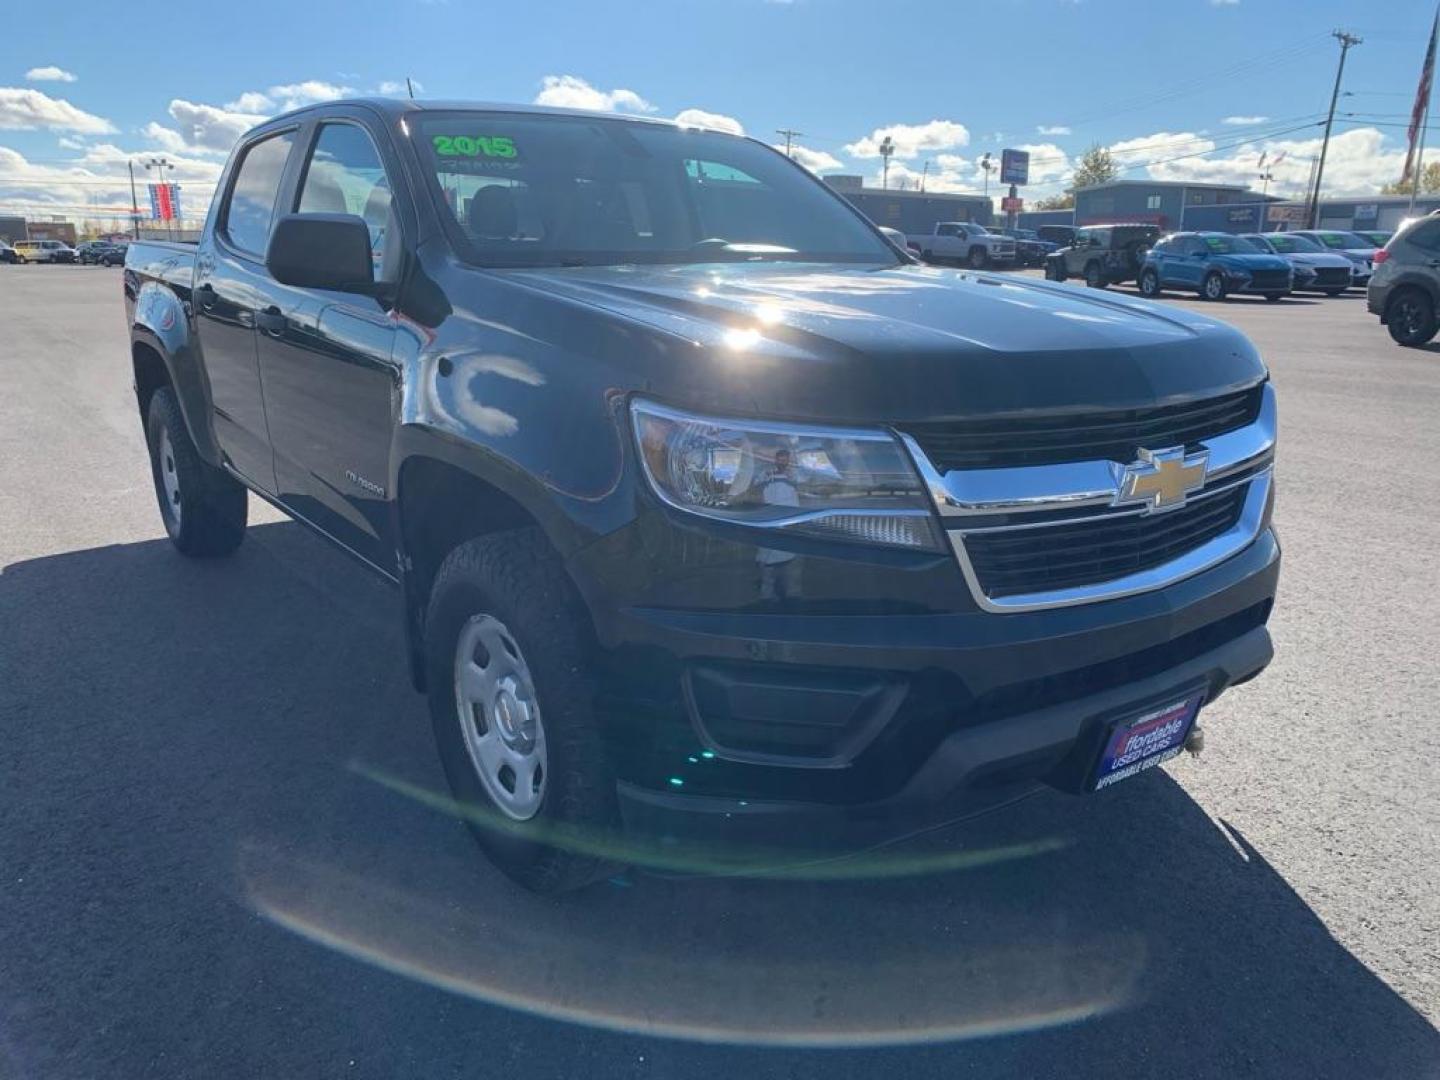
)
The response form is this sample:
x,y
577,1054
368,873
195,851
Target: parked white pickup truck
x,y
964,241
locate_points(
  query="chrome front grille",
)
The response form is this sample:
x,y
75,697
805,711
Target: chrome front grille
x,y
1039,536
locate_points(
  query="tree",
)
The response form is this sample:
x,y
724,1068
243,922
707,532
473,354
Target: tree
x,y
1064,201
1096,167
1429,182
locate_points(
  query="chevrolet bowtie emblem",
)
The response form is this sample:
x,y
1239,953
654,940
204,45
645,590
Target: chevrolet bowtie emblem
x,y
1162,479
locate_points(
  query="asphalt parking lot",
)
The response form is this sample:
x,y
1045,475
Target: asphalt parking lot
x,y
215,861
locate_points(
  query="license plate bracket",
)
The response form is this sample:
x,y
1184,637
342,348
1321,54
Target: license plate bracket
x,y
1145,738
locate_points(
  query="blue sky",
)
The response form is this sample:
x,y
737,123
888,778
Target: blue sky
x,y
1181,89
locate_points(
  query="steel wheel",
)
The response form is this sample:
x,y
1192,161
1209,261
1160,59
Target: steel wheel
x,y
169,477
499,717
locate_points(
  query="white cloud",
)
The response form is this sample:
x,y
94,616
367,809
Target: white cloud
x,y
96,184
1244,119
27,109
1052,129
49,73
298,95
714,121
393,87
573,92
1358,162
67,142
911,139
1048,163
166,138
814,160
251,101
208,128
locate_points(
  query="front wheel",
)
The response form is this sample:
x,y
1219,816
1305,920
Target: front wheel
x,y
203,508
1149,283
512,703
1213,287
978,259
1410,318
1095,275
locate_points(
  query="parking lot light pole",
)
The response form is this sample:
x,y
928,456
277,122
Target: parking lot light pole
x,y
134,204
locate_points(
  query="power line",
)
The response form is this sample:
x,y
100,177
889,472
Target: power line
x,y
789,133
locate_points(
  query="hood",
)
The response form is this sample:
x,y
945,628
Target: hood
x,y
910,342
1257,261
1318,259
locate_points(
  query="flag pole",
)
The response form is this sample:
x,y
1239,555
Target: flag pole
x,y
1419,159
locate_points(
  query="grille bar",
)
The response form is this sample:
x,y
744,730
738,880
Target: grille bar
x,y
1117,435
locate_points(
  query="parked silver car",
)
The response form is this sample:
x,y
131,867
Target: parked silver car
x,y
1405,291
1315,269
1360,251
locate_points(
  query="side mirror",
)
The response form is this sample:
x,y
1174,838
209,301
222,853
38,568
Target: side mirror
x,y
322,251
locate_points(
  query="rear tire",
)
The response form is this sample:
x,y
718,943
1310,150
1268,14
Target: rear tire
x,y
1213,287
1095,275
203,508
1410,317
548,835
1149,283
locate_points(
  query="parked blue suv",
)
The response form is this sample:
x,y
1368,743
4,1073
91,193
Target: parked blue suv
x,y
1215,265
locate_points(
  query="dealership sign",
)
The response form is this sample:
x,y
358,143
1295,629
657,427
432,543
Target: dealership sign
x,y
1014,167
1292,215
1012,205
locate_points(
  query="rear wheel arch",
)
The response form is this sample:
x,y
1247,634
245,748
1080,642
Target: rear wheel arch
x,y
150,374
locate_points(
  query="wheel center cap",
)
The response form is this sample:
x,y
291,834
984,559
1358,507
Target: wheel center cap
x,y
513,718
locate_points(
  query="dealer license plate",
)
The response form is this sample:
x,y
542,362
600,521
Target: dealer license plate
x,y
1144,741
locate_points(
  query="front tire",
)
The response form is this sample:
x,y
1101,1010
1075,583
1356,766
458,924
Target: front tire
x,y
1095,275
1149,284
512,703
1213,287
1410,318
978,258
203,508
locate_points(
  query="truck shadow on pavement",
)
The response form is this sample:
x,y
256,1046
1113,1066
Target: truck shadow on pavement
x,y
205,877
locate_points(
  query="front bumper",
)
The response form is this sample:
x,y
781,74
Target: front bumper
x,y
859,716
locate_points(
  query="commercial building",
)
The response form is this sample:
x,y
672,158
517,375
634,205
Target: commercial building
x,y
912,211
13,229
1167,204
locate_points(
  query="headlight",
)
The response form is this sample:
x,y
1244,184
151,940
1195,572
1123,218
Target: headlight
x,y
854,485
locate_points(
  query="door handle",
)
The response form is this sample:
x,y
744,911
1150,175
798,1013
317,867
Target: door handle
x,y
271,321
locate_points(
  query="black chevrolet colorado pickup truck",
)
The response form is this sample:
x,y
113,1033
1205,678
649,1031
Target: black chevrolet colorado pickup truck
x,y
702,500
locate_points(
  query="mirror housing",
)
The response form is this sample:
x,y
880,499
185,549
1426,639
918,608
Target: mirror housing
x,y
322,251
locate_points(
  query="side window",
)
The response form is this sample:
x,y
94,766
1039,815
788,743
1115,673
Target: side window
x,y
1426,236
345,176
1152,202
1162,247
252,199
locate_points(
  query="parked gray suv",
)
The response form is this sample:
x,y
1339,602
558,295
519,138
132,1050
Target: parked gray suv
x,y
1405,288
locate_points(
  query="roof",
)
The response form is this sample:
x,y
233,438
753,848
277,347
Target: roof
x,y
1177,184
394,108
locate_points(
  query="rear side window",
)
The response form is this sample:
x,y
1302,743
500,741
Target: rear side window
x,y
1426,235
346,176
252,199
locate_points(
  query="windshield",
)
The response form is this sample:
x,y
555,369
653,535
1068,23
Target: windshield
x,y
1342,240
1221,244
1287,244
567,191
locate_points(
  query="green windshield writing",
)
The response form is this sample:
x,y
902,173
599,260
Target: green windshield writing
x,y
480,146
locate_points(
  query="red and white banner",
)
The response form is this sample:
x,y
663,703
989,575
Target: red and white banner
x,y
1422,101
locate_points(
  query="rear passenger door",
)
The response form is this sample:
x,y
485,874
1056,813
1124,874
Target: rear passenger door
x,y
331,385
1190,262
230,283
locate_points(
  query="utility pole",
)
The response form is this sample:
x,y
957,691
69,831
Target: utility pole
x,y
789,134
134,204
887,148
924,172
1347,41
409,88
987,165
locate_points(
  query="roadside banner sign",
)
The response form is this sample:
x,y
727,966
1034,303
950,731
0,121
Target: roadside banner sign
x,y
164,202
1012,206
1014,166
